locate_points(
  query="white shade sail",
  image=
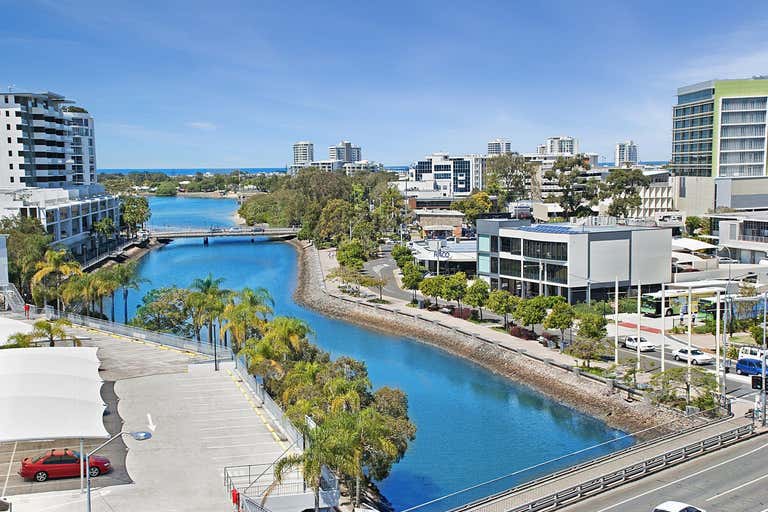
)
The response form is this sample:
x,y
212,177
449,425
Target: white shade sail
x,y
50,393
689,244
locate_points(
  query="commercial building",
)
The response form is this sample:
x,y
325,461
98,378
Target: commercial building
x,y
345,152
446,256
576,261
439,223
48,169
561,145
451,176
499,147
745,234
625,154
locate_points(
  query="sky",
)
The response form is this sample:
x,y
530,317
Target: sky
x,y
235,83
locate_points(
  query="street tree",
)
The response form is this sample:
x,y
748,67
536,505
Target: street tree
x,y
27,243
578,191
587,349
455,288
433,287
531,311
57,264
413,275
511,174
592,326
560,317
502,303
477,295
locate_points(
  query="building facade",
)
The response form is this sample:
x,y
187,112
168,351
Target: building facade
x,y
499,147
83,144
625,154
345,152
745,235
561,145
451,176
576,261
303,153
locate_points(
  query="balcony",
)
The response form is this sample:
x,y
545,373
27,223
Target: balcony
x,y
752,238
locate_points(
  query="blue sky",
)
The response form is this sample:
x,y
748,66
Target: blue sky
x,y
227,83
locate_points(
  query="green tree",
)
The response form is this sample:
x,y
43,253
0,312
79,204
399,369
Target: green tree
x,y
166,310
474,206
477,295
692,225
58,265
433,286
455,288
51,330
402,255
623,186
19,340
246,315
757,334
166,188
560,317
578,191
531,311
212,300
413,275
503,303
587,349
126,278
669,383
136,212
351,254
592,326
27,243
336,220
512,174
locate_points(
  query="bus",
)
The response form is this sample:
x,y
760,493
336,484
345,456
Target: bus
x,y
675,300
743,307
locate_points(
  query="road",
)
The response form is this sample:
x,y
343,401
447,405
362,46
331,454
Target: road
x,y
730,480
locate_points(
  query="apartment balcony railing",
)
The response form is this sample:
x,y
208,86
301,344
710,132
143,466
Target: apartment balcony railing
x,y
751,238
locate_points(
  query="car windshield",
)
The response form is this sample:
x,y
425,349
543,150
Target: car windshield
x,y
697,352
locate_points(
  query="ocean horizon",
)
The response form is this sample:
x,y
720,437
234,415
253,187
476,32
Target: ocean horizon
x,y
218,170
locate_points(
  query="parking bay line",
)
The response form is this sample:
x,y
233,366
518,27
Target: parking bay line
x,y
221,447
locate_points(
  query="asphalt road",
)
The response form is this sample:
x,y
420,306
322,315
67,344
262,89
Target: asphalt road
x,y
730,480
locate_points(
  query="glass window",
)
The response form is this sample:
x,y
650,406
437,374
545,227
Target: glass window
x,y
484,263
53,459
494,265
545,250
494,243
510,267
557,273
510,245
484,243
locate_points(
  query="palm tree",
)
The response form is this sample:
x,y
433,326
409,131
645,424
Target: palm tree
x,y
127,278
212,303
77,289
370,436
57,264
104,285
246,314
21,339
287,335
51,329
325,448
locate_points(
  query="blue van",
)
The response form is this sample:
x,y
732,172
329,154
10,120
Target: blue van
x,y
748,366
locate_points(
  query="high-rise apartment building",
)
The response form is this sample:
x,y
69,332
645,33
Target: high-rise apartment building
x,y
303,153
83,144
561,145
499,147
625,154
345,152
719,129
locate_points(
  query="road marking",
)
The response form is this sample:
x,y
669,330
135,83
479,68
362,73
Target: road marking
x,y
683,478
254,444
10,465
737,487
230,427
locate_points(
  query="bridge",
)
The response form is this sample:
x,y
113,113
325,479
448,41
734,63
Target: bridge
x,y
215,232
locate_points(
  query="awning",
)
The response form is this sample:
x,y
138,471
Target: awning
x,y
689,244
50,393
684,257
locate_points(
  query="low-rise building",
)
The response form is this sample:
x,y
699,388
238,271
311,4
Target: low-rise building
x,y
446,256
742,236
576,261
439,223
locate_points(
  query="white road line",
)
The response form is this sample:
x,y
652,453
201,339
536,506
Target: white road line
x,y
737,488
10,465
683,478
233,436
255,424
253,445
237,409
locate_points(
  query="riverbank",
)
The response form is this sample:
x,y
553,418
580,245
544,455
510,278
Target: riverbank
x,y
580,393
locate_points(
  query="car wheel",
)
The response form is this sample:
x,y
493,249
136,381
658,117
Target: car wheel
x,y
739,372
94,471
677,358
669,313
694,362
41,476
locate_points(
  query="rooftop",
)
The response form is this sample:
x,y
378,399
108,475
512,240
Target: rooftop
x,y
438,212
569,228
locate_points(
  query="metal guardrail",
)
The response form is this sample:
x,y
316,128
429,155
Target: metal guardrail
x,y
170,340
12,297
611,480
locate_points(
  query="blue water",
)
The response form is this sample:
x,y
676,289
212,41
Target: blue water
x,y
472,424
190,172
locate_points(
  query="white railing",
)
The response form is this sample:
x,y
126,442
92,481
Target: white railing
x,y
12,297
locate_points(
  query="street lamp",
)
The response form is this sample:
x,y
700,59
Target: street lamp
x,y
726,326
138,436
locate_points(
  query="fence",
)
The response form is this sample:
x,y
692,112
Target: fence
x,y
143,334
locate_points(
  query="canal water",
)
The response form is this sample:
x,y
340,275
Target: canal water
x,y
473,425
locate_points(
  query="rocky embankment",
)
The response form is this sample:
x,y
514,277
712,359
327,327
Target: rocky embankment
x,y
586,395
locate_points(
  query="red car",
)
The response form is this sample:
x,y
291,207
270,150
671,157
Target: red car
x,y
60,463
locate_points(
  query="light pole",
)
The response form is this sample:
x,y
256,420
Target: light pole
x,y
728,320
138,436
765,317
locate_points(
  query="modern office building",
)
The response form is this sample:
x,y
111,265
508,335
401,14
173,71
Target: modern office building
x,y
451,176
625,154
499,147
719,129
576,261
303,152
744,234
561,145
48,169
345,152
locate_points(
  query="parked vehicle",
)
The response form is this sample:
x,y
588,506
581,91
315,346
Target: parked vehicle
x,y
748,366
750,353
631,342
696,356
724,260
61,464
676,506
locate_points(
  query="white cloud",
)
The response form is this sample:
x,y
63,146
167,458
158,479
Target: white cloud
x,y
201,125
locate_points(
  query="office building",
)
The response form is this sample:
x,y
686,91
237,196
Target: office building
x,y
625,154
48,169
576,261
744,234
559,146
719,129
499,147
345,152
451,176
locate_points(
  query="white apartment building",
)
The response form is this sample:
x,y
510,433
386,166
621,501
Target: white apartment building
x,y
303,152
362,165
499,147
561,145
345,152
48,168
625,154
449,175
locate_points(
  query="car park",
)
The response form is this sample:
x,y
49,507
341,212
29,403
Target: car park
x,y
631,342
749,366
696,356
676,506
60,464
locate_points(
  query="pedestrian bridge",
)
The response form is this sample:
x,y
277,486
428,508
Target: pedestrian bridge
x,y
248,231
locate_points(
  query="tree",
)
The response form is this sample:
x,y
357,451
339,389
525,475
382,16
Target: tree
x,y
512,174
587,349
246,315
167,189
623,186
378,283
503,303
166,310
455,288
592,326
402,255
104,227
578,192
19,340
351,254
669,382
692,225
560,317
51,330
336,220
136,212
126,278
433,286
477,295
26,244
210,303
59,265
473,206
413,275
531,311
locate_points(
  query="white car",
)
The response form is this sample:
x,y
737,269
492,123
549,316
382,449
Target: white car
x,y
696,356
630,342
676,506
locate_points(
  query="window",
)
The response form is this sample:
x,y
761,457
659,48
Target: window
x,y
545,250
510,245
494,243
484,264
484,243
53,459
557,273
494,265
510,267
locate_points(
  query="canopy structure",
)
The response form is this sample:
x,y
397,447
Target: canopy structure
x,y
684,257
50,393
689,244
